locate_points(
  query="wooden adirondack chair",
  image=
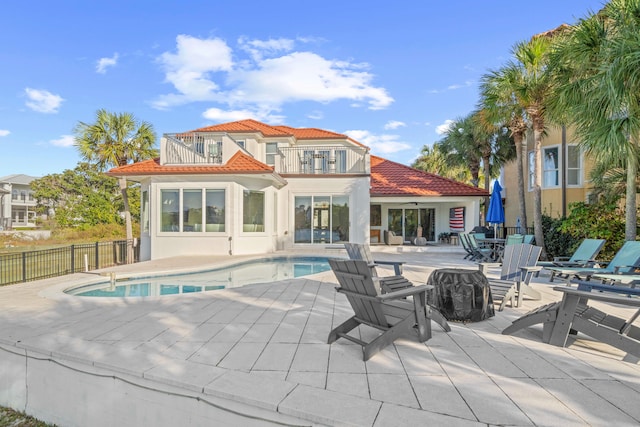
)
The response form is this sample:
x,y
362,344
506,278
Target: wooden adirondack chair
x,y
392,313
517,268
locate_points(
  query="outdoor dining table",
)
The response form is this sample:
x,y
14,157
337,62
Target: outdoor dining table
x,y
495,244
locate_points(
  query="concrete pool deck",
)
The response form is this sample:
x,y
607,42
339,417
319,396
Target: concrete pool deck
x,y
257,355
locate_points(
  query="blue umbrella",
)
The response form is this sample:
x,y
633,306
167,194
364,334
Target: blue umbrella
x,y
495,214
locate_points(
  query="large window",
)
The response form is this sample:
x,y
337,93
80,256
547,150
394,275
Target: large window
x,y
395,221
253,211
551,166
412,223
574,165
192,210
189,203
321,219
215,210
170,211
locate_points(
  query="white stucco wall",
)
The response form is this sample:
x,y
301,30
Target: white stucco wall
x,y
279,215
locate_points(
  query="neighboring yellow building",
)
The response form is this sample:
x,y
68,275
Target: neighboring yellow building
x,y
565,176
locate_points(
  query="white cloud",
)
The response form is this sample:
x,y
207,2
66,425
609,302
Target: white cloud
x,y
379,144
190,70
455,86
260,48
394,124
316,115
63,141
218,115
103,63
4,132
272,74
444,127
43,101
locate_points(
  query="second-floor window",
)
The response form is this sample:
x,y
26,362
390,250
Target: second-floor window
x,y
271,151
574,165
551,167
552,164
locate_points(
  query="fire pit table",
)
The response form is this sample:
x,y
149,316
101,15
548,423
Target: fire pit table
x,y
461,294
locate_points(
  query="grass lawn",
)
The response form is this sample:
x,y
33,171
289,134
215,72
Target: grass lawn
x,y
11,418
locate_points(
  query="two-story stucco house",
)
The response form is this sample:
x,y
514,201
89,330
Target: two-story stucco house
x,y
565,176
247,187
17,204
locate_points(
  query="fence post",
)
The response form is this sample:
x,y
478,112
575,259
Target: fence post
x,y
24,266
73,259
97,256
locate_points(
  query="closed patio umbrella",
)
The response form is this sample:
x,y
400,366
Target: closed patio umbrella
x,y
495,214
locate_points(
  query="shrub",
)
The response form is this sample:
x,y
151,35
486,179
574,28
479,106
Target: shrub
x,y
601,220
557,242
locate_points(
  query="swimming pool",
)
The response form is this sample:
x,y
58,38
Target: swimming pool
x,y
233,276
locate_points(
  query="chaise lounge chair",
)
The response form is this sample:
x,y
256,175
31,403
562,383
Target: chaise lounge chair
x,y
392,313
478,253
625,261
517,268
573,313
584,256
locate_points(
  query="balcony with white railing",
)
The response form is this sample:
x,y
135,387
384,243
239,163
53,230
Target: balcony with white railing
x,y
191,148
216,149
322,160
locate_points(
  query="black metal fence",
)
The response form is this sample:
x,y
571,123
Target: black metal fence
x,y
41,264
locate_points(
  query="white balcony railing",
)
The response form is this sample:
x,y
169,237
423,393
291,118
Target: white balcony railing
x,y
322,160
204,149
190,148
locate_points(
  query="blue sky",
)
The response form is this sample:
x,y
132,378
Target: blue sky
x,y
389,74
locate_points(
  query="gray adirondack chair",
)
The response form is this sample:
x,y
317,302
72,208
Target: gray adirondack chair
x,y
386,283
517,268
392,313
573,313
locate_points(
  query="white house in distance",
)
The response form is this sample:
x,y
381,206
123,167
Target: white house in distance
x,y
246,187
17,204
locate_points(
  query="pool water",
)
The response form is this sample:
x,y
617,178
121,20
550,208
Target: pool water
x,y
245,273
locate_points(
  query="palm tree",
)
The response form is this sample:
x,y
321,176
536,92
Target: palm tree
x,y
432,160
477,144
115,140
459,147
598,89
498,100
532,89
495,146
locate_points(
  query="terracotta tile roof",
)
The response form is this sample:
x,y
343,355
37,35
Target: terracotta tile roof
x,y
394,179
239,163
245,126
311,133
250,125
